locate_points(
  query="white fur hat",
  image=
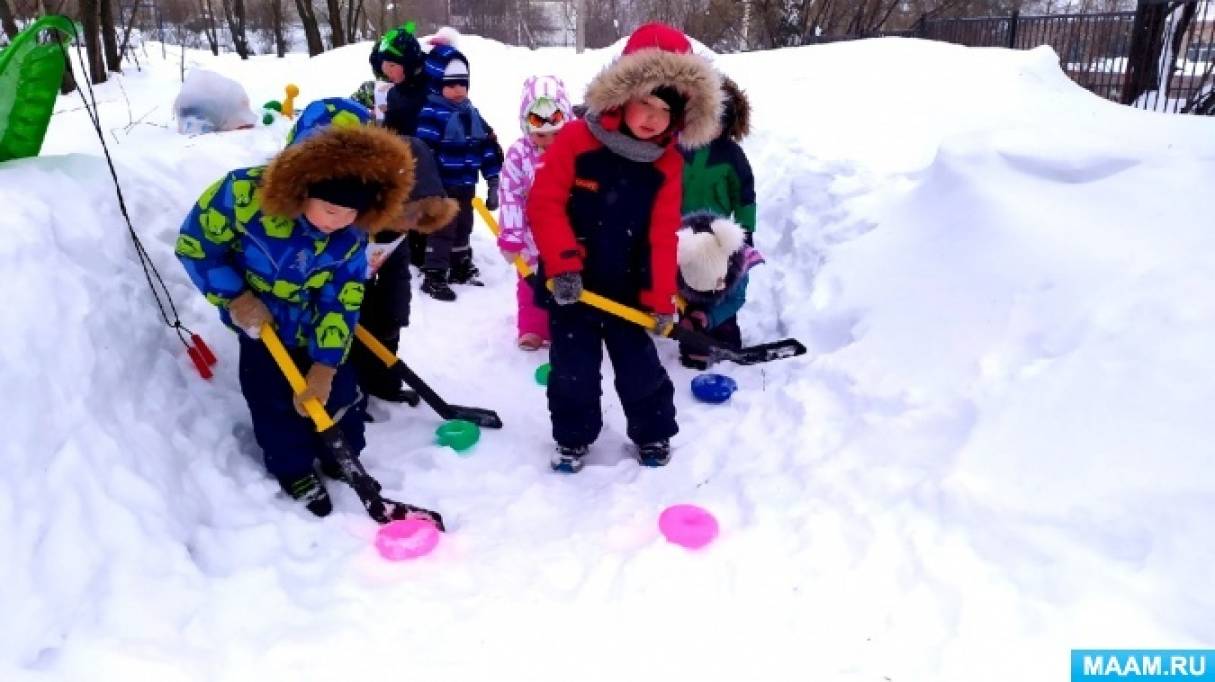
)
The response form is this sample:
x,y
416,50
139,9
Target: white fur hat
x,y
706,242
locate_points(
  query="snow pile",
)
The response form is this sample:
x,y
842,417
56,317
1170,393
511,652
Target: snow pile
x,y
993,453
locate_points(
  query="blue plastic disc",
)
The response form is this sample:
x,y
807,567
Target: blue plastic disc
x,y
713,388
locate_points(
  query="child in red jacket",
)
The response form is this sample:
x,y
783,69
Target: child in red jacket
x,y
604,210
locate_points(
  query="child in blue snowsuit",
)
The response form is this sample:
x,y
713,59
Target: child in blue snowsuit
x,y
714,265
386,300
285,244
464,145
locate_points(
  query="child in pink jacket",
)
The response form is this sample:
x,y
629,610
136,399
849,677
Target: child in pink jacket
x,y
544,110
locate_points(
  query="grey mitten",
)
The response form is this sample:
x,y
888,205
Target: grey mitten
x,y
567,287
491,197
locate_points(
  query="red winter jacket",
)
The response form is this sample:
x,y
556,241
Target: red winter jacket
x,y
612,219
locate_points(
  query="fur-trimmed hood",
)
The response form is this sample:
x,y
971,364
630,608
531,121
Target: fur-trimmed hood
x,y
736,111
637,74
370,154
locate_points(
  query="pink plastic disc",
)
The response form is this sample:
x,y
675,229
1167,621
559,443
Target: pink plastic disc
x,y
687,525
406,539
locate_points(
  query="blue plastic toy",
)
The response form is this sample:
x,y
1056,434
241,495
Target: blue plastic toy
x,y
713,388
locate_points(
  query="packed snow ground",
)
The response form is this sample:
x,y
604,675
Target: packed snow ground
x,y
998,448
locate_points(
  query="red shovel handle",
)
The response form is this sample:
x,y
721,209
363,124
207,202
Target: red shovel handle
x,y
203,349
200,364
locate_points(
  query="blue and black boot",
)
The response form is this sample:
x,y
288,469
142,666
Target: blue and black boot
x,y
568,460
655,454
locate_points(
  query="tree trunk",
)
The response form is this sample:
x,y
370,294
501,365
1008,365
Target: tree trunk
x,y
109,35
280,41
312,31
337,37
7,21
234,12
1147,42
354,19
92,41
126,30
209,28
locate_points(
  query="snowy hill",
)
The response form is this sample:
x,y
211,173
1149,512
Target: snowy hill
x,y
997,449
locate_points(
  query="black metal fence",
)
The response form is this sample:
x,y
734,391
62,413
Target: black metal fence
x,y
1159,57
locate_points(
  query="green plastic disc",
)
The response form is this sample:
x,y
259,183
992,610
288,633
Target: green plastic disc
x,y
542,373
458,434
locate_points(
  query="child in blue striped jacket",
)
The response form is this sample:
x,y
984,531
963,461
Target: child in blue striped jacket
x,y
464,146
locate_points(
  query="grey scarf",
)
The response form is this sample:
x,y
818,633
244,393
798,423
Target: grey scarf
x,y
629,147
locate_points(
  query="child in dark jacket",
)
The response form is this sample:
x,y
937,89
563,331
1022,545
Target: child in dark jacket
x,y
717,178
387,296
464,145
604,210
400,58
714,262
276,244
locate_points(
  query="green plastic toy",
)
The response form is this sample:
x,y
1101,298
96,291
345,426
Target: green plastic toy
x,y
542,373
30,74
458,434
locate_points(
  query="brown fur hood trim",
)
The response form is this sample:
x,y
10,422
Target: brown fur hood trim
x,y
639,73
370,154
426,215
736,113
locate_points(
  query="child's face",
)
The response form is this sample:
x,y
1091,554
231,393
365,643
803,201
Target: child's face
x,y
647,117
542,140
455,92
327,217
393,71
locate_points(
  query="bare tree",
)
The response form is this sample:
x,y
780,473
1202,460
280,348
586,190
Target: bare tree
x,y
234,12
7,20
127,25
337,37
276,20
209,25
312,30
92,40
109,36
354,19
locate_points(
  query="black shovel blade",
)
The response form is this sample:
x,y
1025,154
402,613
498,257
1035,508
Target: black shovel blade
x,y
764,352
384,510
480,416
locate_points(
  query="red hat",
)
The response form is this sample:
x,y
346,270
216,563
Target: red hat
x,y
660,36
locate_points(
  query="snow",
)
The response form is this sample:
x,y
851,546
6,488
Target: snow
x,y
996,450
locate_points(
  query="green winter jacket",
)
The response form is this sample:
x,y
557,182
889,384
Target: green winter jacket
x,y
718,179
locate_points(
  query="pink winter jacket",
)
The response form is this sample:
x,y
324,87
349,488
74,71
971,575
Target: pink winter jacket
x,y
519,171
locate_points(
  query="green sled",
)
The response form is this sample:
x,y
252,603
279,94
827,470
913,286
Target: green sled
x,y
30,74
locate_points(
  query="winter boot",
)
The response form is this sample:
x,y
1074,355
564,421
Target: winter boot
x,y
463,271
655,454
434,285
569,459
309,490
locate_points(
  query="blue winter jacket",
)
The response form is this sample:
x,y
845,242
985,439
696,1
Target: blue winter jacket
x,y
311,282
464,146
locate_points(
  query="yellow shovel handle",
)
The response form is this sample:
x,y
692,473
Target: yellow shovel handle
x,y
373,344
286,365
590,298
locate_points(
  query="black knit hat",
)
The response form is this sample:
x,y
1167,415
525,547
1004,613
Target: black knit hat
x,y
401,47
673,99
346,191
